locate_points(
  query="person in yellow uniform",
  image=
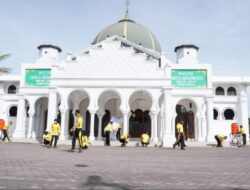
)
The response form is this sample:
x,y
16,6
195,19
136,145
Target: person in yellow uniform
x,y
124,139
46,138
6,130
244,136
85,140
220,138
118,133
145,139
180,134
55,131
107,131
77,131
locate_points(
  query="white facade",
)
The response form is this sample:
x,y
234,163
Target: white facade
x,y
116,77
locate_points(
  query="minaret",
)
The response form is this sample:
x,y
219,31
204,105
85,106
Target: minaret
x,y
48,50
186,54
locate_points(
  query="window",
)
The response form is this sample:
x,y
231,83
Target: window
x,y
231,91
219,91
12,89
13,111
229,114
215,114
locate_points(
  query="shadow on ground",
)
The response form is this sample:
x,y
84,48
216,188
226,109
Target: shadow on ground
x,y
96,181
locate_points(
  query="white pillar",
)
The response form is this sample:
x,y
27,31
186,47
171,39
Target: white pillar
x,y
31,124
203,128
154,121
168,134
199,128
244,113
64,126
20,131
92,125
100,126
209,118
125,122
52,108
173,123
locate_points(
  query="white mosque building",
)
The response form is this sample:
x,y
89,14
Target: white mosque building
x,y
123,73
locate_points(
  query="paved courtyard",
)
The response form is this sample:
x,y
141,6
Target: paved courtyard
x,y
31,166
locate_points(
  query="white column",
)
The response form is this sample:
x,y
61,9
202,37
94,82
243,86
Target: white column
x,y
100,126
64,126
52,108
168,134
209,118
154,121
125,122
244,113
199,127
203,128
92,125
173,123
31,124
20,131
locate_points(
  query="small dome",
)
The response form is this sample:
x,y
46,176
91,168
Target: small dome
x,y
132,31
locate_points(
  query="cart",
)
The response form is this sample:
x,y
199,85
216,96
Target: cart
x,y
235,139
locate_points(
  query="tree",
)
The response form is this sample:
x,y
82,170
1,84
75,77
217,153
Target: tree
x,y
4,69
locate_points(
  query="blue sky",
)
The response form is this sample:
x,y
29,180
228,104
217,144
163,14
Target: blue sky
x,y
221,28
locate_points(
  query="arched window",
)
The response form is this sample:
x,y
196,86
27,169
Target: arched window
x,y
13,111
216,114
229,114
12,89
231,91
219,91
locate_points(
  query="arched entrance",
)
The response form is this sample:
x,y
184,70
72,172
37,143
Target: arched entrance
x,y
78,100
109,105
41,110
185,110
140,103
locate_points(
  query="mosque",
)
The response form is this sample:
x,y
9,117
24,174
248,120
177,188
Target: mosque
x,y
123,73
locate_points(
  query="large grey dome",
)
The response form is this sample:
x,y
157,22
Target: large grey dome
x,y
132,31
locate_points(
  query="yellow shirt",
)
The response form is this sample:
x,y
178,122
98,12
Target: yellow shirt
x,y
179,128
55,129
242,130
124,136
79,122
221,137
47,137
145,138
109,127
6,126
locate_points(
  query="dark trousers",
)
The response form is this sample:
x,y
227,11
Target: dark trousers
x,y
218,140
107,134
123,141
244,138
52,139
46,142
77,135
118,134
5,135
180,140
144,144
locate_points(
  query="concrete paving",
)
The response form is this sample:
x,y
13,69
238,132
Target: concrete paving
x,y
32,166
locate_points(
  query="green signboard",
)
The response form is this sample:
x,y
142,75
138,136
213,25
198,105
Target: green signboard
x,y
37,77
189,78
